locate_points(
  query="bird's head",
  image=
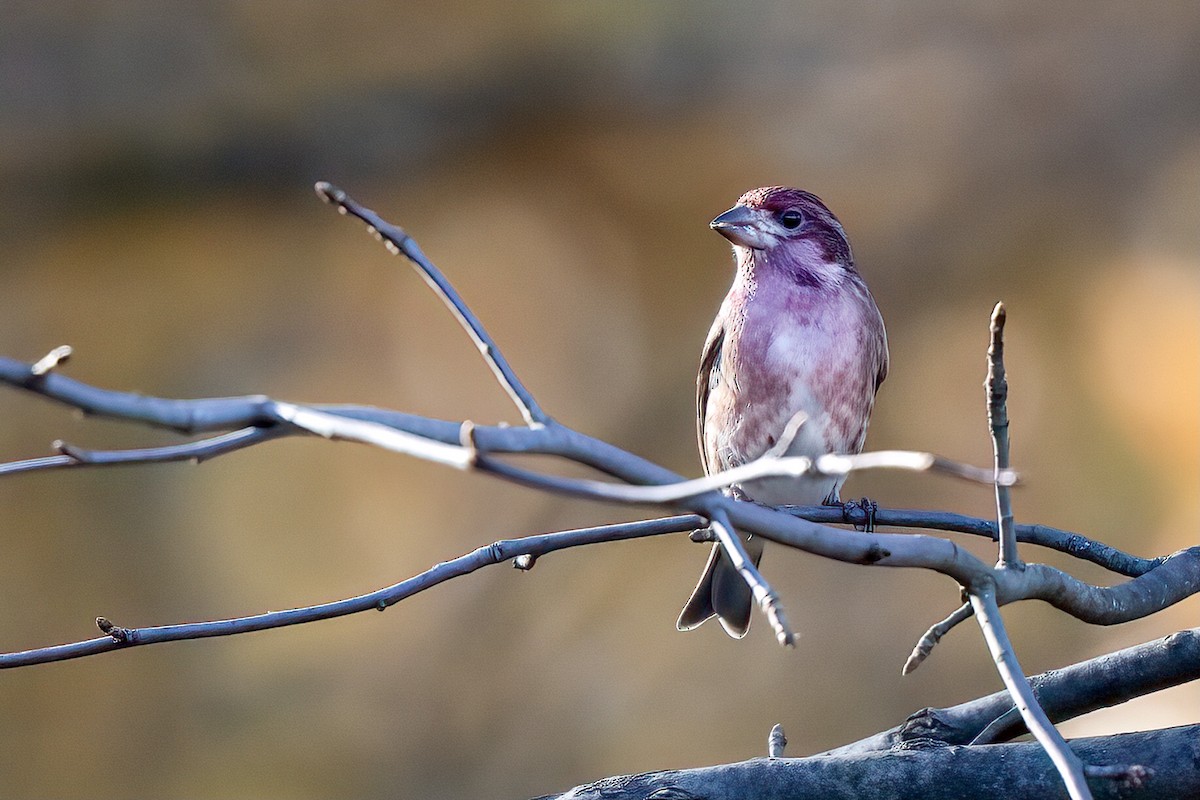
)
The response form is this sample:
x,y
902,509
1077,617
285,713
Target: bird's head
x,y
782,221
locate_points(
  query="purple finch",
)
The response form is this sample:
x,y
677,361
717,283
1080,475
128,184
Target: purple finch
x,y
798,334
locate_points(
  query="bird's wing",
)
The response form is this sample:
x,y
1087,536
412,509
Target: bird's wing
x,y
708,377
881,353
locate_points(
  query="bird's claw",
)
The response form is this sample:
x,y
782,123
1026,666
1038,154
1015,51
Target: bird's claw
x,y
860,514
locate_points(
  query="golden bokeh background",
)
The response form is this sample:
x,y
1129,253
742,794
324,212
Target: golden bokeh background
x,y
560,162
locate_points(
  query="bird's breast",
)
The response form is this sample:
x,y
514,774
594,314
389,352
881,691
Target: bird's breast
x,y
787,354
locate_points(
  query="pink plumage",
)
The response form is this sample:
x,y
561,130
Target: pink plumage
x,y
798,332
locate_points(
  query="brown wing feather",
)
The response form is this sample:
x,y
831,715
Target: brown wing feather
x,y
881,349
710,373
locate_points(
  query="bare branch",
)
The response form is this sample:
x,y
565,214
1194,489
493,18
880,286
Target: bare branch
x,y
258,414
1072,544
202,450
1064,693
1012,771
996,386
118,637
332,426
184,416
400,243
1173,579
1069,765
790,466
766,597
934,635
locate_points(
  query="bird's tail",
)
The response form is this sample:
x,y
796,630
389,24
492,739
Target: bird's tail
x,y
722,593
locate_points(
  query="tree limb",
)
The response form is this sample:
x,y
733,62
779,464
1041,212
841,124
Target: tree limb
x,y
1009,771
1065,693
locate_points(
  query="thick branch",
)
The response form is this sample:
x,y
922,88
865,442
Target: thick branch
x,y
1066,693
1012,771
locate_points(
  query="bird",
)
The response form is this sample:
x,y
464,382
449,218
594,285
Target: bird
x,y
798,337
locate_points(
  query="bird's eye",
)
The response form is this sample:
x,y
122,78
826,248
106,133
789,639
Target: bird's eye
x,y
791,219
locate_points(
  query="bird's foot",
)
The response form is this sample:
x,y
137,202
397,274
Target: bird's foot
x,y
860,514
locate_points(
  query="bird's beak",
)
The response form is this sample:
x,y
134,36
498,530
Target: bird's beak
x,y
742,226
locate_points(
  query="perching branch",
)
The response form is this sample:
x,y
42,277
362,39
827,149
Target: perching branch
x,y
1174,578
1072,544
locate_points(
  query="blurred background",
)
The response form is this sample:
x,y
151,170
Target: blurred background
x,y
560,161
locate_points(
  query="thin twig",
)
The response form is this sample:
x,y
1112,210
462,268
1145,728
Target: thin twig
x,y
1070,767
994,730
120,637
51,360
934,635
400,243
763,594
996,386
776,742
74,456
